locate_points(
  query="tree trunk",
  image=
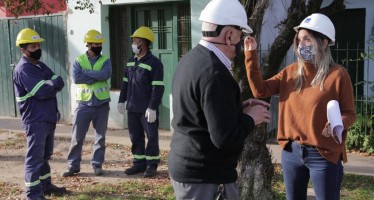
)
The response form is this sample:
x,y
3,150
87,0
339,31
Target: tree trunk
x,y
256,168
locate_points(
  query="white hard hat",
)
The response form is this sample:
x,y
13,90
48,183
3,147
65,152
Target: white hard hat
x,y
226,12
319,23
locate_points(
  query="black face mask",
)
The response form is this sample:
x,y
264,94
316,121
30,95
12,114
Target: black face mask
x,y
239,49
36,54
96,50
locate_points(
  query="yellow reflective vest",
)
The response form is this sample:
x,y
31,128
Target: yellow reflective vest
x,y
100,88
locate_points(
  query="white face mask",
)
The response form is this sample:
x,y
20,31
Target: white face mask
x,y
136,48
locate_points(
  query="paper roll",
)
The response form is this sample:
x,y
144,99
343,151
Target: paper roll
x,y
334,117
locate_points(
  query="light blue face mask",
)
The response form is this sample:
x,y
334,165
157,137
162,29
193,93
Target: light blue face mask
x,y
306,53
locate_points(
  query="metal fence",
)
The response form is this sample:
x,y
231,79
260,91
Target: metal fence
x,y
360,65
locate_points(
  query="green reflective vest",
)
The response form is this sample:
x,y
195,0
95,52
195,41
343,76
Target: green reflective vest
x,y
100,88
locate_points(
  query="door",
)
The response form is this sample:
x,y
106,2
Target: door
x,y
7,99
350,41
160,19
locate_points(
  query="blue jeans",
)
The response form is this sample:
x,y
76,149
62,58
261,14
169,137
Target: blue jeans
x,y
301,163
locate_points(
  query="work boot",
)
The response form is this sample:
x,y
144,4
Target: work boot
x,y
135,169
70,172
151,171
98,171
56,191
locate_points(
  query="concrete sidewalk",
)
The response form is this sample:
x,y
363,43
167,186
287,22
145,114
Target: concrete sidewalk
x,y
356,164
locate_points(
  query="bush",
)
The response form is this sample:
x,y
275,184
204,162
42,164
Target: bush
x,y
361,135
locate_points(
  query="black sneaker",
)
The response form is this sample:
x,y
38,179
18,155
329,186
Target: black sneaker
x,y
98,171
151,171
134,170
56,191
70,172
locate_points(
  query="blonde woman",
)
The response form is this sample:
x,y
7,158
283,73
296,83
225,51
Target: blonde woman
x,y
304,88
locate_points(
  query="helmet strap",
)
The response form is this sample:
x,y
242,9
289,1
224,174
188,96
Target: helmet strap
x,y
215,33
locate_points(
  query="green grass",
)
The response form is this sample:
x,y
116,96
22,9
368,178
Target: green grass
x,y
356,187
131,190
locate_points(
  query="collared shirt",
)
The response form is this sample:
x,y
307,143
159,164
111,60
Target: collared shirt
x,y
222,57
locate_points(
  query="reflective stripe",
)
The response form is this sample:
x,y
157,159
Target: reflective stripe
x,y
32,93
84,90
130,64
144,66
152,157
125,79
32,183
157,82
98,90
45,176
139,157
54,77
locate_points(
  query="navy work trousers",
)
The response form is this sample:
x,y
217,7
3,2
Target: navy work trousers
x,y
40,141
144,155
301,163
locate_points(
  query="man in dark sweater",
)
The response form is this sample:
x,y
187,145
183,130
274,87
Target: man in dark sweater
x,y
210,122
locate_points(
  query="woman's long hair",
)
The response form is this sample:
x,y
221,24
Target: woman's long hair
x,y
322,60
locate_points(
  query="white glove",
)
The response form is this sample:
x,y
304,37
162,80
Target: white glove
x,y
121,108
150,115
48,82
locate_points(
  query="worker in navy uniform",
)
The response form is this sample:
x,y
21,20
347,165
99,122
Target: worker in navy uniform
x,y
36,87
142,90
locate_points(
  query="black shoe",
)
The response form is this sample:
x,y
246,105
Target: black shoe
x,y
151,171
70,172
134,170
40,198
54,190
98,171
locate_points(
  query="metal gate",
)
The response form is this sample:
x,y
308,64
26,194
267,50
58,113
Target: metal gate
x,y
52,29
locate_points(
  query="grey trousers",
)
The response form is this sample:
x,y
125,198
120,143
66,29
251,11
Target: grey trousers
x,y
83,117
203,191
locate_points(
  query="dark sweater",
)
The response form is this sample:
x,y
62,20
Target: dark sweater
x,y
209,124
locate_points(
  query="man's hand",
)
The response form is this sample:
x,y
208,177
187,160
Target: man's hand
x,y
258,110
250,43
121,108
255,102
150,115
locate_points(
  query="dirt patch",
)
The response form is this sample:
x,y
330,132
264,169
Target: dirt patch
x,y
12,156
